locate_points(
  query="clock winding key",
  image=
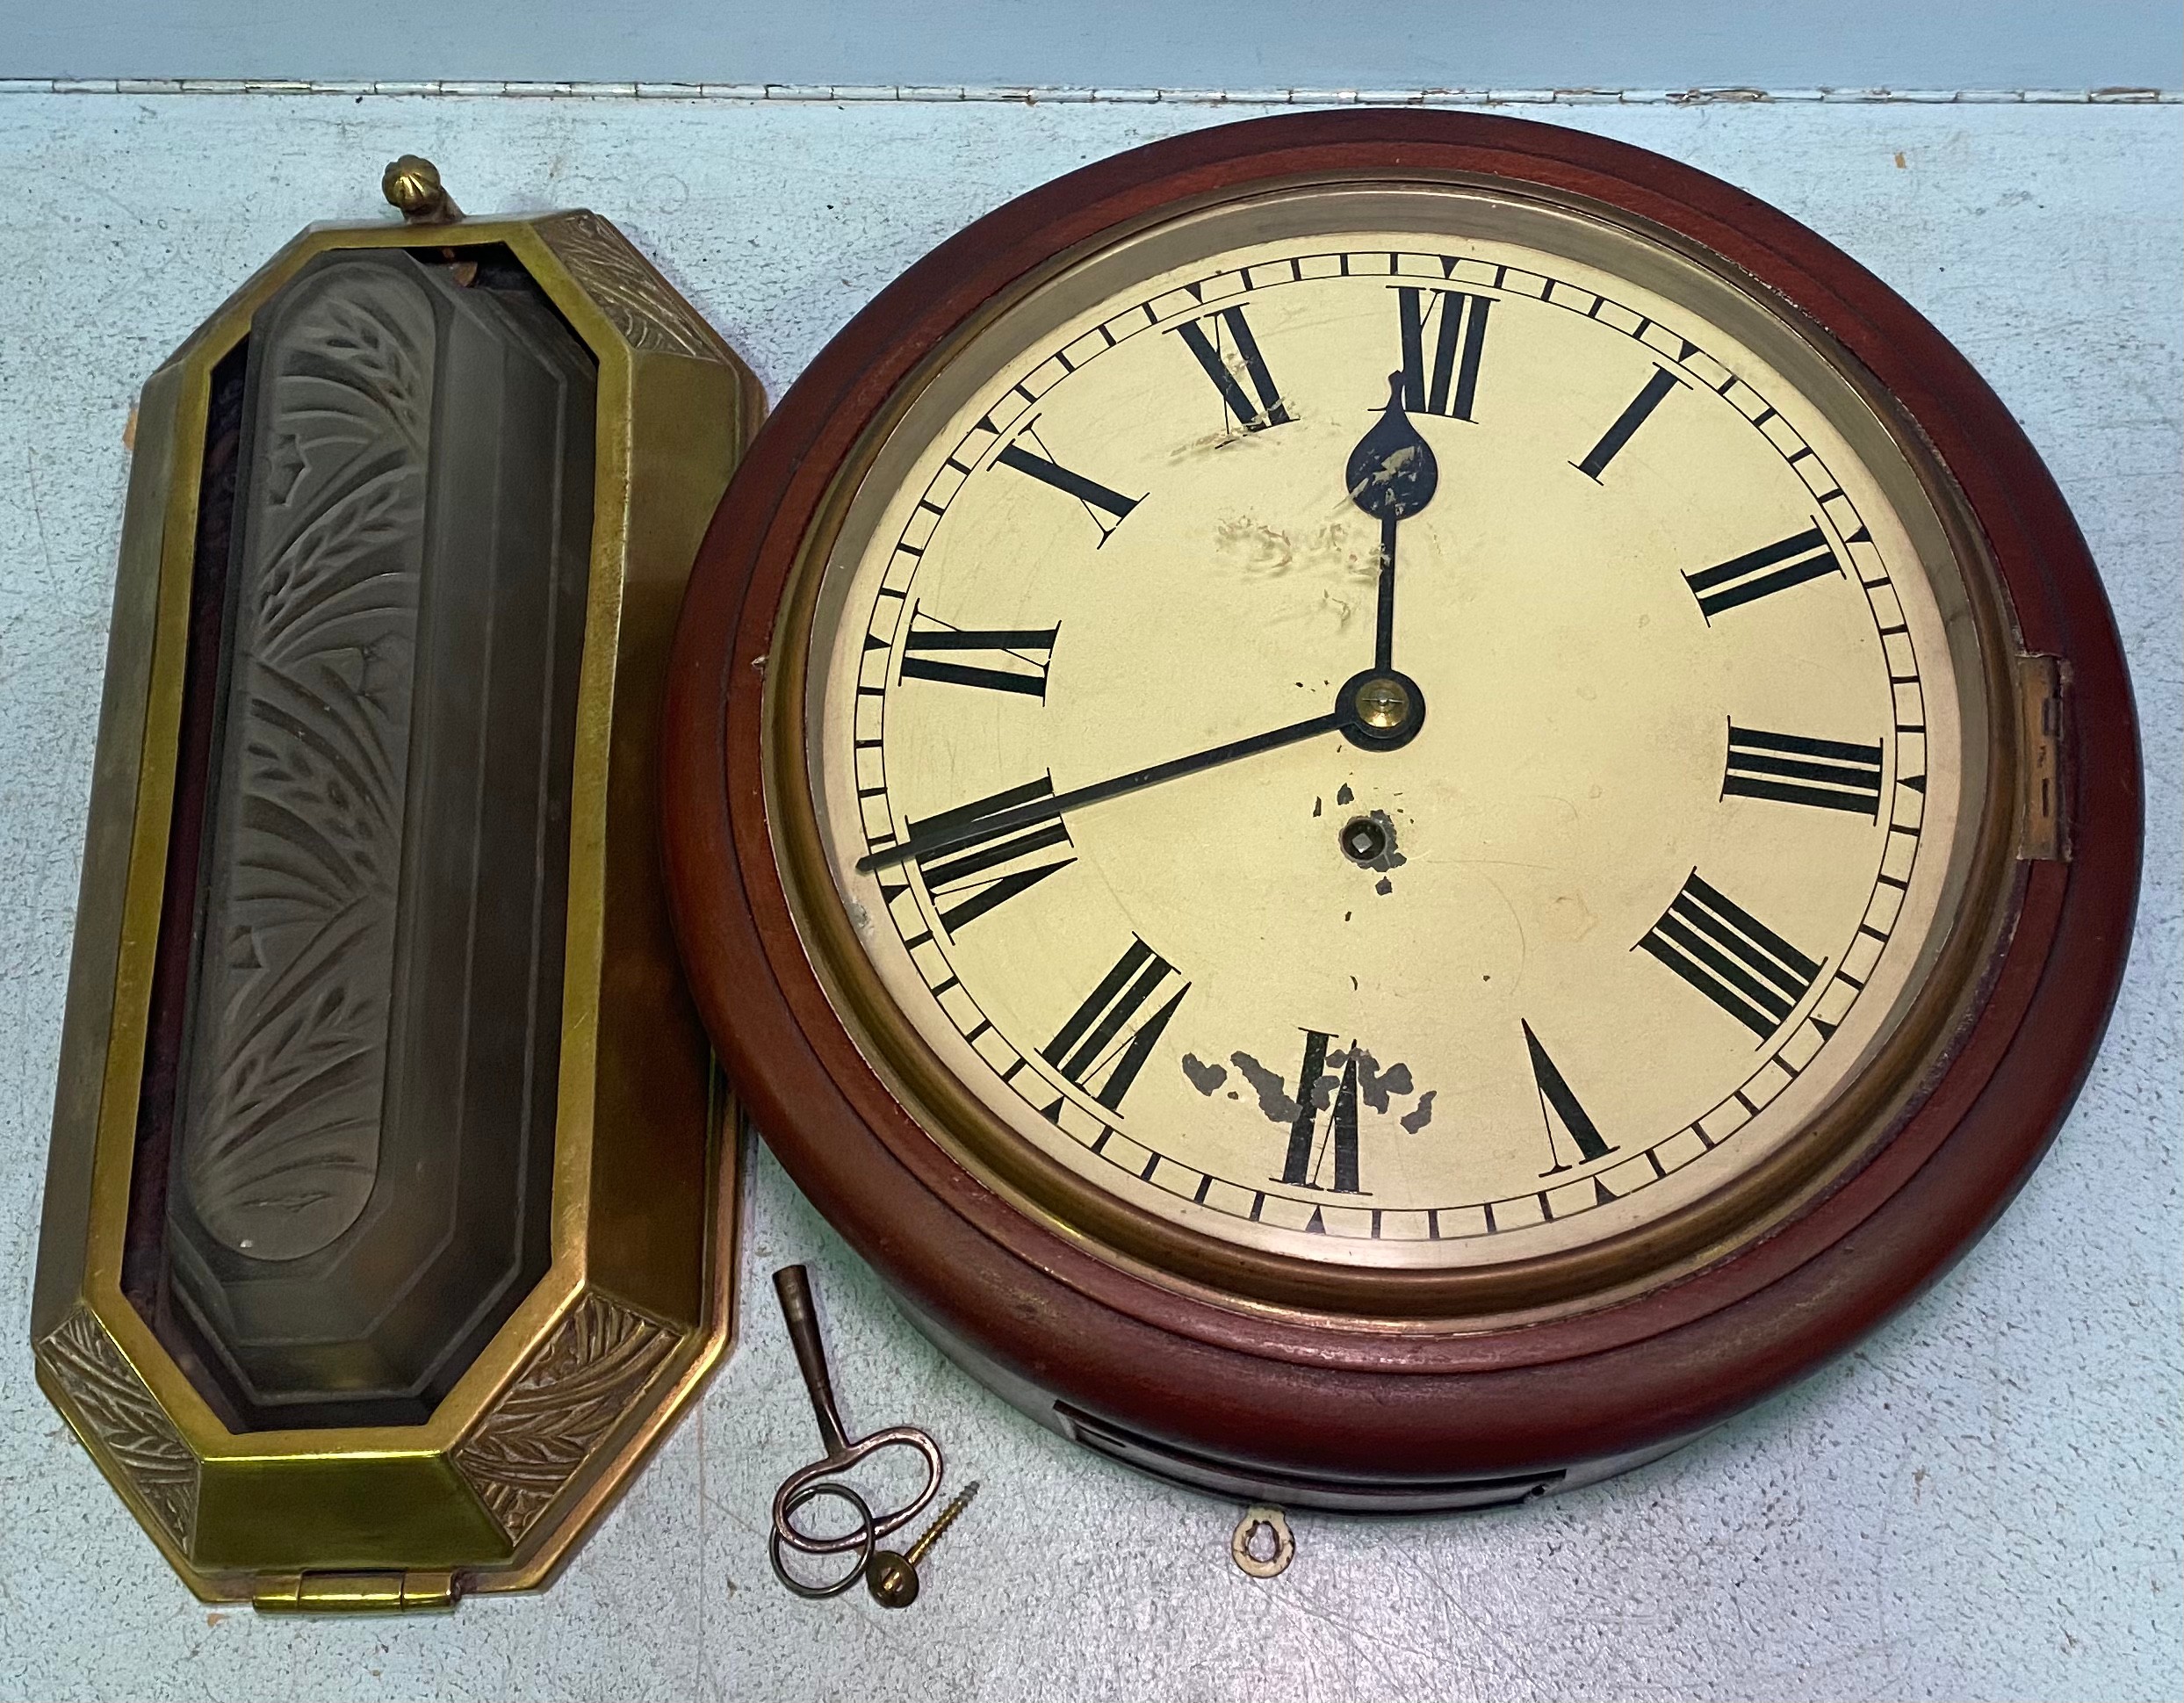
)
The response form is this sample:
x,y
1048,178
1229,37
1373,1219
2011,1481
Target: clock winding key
x,y
892,1579
793,1285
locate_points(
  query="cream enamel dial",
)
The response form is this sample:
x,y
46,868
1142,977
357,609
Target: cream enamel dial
x,y
1387,726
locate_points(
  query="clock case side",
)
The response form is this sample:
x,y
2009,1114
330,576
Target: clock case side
x,y
1100,1353
391,1517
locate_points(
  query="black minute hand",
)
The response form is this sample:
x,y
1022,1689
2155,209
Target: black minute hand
x,y
1392,475
942,836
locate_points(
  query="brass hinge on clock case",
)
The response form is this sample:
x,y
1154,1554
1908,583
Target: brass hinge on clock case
x,y
2042,816
354,1593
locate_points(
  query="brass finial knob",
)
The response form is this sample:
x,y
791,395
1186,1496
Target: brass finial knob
x,y
412,184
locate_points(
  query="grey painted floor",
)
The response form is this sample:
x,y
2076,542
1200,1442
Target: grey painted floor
x,y
1981,1502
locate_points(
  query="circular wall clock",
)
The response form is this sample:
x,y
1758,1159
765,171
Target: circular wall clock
x,y
1397,804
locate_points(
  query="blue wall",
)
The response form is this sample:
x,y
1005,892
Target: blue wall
x,y
1515,44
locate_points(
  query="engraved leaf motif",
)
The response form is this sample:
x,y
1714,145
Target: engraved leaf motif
x,y
636,302
112,1404
569,1396
280,1141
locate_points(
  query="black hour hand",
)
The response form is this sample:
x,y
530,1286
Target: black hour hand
x,y
1392,475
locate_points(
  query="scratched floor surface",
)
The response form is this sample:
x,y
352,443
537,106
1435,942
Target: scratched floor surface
x,y
1981,1503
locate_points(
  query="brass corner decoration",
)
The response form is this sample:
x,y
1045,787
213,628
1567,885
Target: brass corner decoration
x,y
389,1217
567,1397
643,307
102,1392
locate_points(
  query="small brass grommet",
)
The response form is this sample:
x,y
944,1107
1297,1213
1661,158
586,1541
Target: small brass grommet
x,y
1262,1544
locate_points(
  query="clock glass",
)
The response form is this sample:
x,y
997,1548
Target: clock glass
x,y
1389,728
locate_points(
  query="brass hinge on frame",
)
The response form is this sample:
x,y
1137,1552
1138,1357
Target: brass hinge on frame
x,y
355,1593
2042,816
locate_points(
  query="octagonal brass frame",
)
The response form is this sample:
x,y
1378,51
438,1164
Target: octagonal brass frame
x,y
561,1408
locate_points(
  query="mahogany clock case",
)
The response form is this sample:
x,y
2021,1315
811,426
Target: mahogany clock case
x,y
1314,1406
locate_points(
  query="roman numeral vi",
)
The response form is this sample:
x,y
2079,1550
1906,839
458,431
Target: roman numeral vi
x,y
1306,1160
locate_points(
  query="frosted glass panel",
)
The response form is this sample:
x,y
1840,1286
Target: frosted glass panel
x,y
359,1119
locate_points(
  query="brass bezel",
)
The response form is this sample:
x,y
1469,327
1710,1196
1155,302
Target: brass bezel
x,y
636,1306
1833,1145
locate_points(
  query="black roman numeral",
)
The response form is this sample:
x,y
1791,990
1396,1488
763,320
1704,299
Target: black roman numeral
x,y
930,653
1795,770
1762,573
1459,338
1724,952
1309,1155
1252,416
968,879
1626,423
1098,1037
1107,508
1557,1101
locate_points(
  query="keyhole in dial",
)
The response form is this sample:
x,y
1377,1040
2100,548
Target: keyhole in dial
x,y
1363,839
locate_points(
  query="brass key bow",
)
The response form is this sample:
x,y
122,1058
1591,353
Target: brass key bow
x,y
793,1285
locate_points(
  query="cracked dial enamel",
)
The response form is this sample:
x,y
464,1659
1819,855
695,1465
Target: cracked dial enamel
x,y
1387,726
